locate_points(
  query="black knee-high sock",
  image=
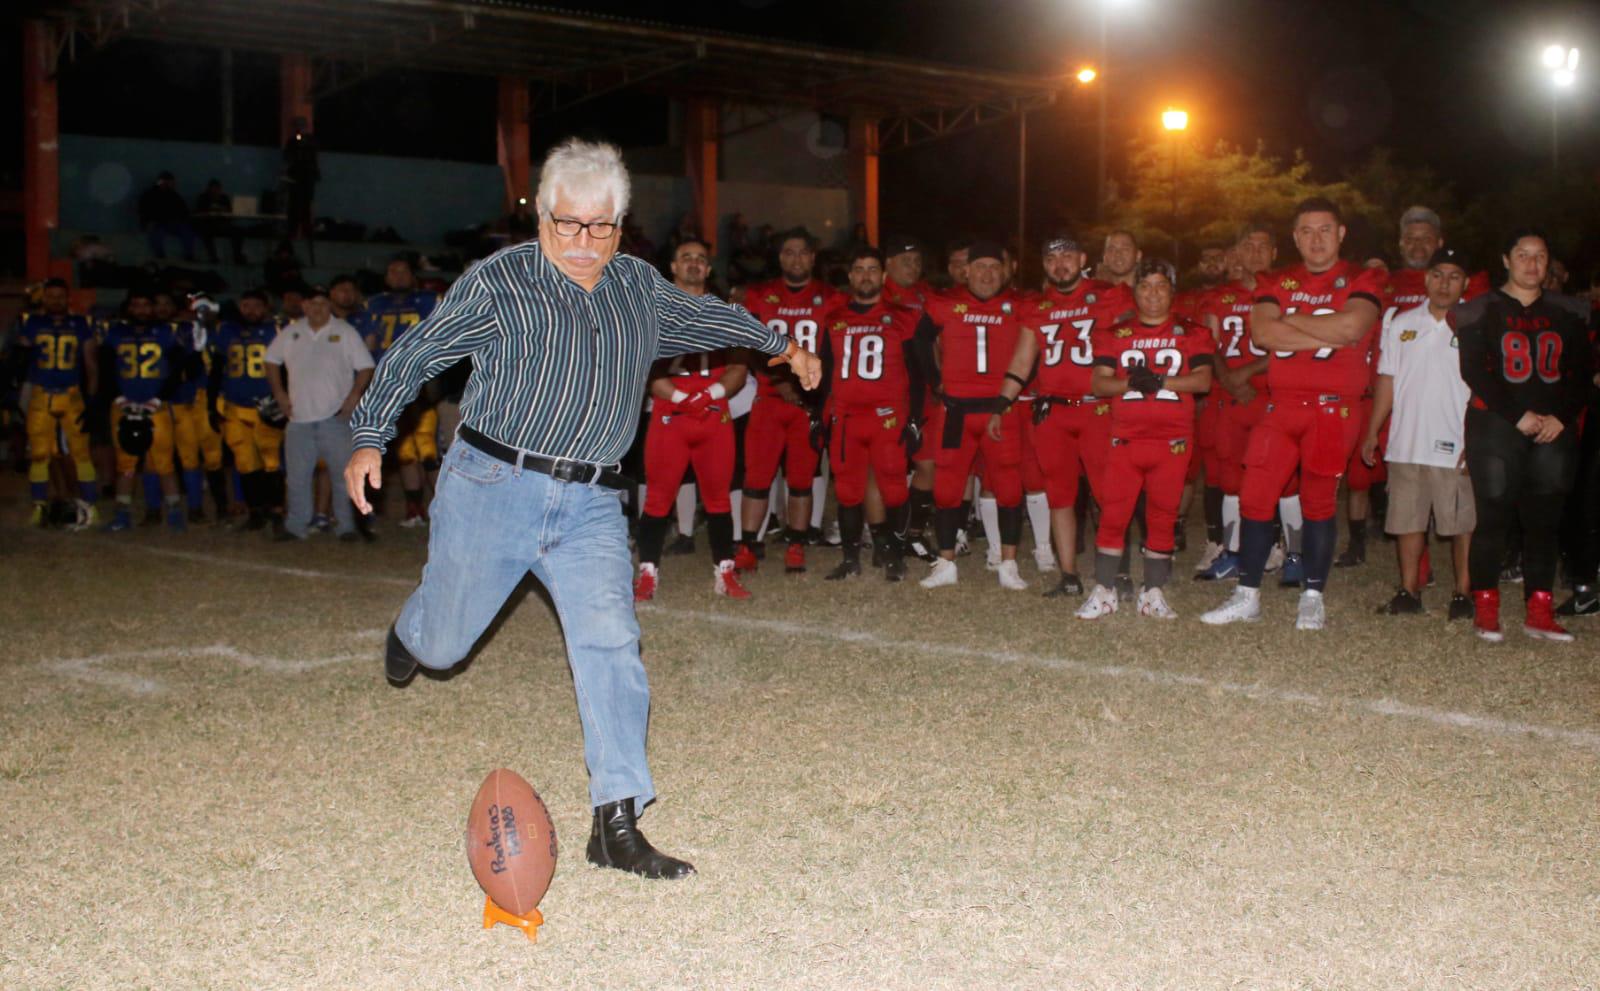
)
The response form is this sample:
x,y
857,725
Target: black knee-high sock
x,y
1213,503
274,489
653,536
1318,539
1106,568
894,520
1010,524
1358,535
719,531
1157,571
1256,538
945,523
851,519
919,509
217,481
250,482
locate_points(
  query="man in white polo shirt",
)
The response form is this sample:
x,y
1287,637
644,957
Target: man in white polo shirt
x,y
1420,390
329,368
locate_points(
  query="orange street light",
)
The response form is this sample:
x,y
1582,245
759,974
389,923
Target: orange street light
x,y
1175,120
1087,75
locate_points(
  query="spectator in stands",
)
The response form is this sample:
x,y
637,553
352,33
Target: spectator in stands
x,y
163,214
329,367
282,269
300,174
212,208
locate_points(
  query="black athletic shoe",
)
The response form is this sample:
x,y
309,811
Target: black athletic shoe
x,y
1461,607
1585,601
845,569
1353,556
1403,604
1068,585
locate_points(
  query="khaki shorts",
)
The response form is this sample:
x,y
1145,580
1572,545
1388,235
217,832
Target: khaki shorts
x,y
1417,492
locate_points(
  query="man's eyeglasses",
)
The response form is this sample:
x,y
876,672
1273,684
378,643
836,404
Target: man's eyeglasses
x,y
598,229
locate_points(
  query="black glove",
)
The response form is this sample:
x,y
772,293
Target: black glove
x,y
819,435
1142,379
911,438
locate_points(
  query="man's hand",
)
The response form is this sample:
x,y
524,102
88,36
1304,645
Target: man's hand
x,y
696,402
806,366
911,438
1141,379
1549,429
994,428
365,467
1369,450
1530,424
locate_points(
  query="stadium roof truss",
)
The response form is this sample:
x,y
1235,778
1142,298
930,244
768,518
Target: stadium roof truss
x,y
568,57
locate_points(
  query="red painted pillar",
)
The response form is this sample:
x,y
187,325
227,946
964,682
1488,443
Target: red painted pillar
x,y
702,137
511,138
295,105
41,148
864,173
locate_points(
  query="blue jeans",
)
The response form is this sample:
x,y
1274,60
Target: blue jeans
x,y
303,444
490,524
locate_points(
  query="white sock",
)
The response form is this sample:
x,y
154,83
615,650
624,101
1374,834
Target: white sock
x,y
736,498
1293,522
819,496
1230,523
686,500
1039,519
989,513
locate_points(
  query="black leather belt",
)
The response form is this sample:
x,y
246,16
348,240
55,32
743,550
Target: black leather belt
x,y
581,472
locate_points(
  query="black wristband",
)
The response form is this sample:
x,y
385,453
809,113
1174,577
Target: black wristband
x,y
1005,402
1020,381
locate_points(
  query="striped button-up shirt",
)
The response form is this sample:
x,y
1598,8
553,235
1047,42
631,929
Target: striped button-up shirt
x,y
555,370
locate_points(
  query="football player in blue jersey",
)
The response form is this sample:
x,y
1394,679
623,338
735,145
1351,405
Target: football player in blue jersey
x,y
245,411
197,443
57,350
148,365
388,315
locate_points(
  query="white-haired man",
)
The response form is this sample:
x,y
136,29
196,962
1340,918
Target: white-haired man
x,y
562,333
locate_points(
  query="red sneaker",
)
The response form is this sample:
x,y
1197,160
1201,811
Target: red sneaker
x,y
794,559
744,559
727,582
1486,615
1540,623
644,587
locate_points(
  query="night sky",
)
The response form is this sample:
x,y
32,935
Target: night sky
x,y
1450,83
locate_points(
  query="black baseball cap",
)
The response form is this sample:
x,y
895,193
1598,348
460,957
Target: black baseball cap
x,y
1450,256
313,291
986,249
900,244
1059,241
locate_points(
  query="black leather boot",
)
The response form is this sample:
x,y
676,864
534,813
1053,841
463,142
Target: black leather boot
x,y
615,841
398,663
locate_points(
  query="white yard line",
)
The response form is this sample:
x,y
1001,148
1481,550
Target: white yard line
x,y
1390,708
93,668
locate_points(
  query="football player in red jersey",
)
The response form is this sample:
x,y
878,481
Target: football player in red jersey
x,y
955,261
1118,257
903,286
975,331
1072,426
1241,369
690,424
1317,318
1150,368
782,418
874,398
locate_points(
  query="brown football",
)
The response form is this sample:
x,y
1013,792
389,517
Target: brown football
x,y
511,842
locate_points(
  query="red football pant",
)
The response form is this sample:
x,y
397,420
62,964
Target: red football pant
x,y
1358,476
672,443
1233,438
778,431
1316,439
1003,459
1157,467
1032,468
866,439
1207,434
1072,442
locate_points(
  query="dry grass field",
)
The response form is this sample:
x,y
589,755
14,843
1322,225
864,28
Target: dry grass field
x,y
206,783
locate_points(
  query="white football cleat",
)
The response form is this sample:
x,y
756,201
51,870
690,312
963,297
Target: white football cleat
x,y
1274,559
943,573
1243,606
1209,556
1044,559
1153,603
1312,614
1010,578
1101,602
